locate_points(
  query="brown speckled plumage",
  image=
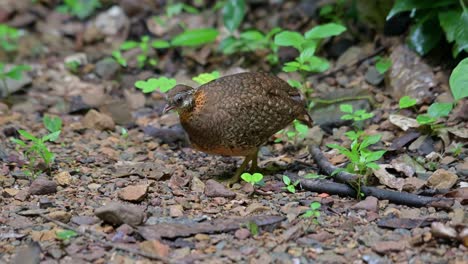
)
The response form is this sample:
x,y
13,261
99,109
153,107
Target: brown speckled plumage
x,y
236,114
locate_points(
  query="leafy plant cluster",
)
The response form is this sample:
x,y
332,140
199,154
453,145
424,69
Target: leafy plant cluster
x,y
432,20
15,73
164,84
36,149
79,8
8,38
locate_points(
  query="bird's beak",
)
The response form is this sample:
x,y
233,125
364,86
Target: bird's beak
x,y
167,108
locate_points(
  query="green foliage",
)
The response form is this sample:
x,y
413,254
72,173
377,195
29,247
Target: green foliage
x,y
459,80
406,102
195,37
65,234
298,131
8,38
334,11
356,116
175,9
145,45
253,228
164,84
252,178
361,158
290,186
233,14
117,55
434,112
53,124
72,66
124,133
313,212
15,73
434,19
383,64
79,8
206,77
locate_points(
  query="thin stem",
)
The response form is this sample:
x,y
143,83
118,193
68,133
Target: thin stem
x,y
462,3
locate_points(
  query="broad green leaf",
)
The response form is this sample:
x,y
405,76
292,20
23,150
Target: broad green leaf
x,y
425,119
160,44
317,64
307,54
294,83
383,64
291,188
347,117
448,20
206,77
166,84
253,35
195,37
459,80
129,45
315,205
352,135
65,234
346,108
370,140
17,71
52,123
437,110
425,35
286,180
373,155
27,135
233,14
51,137
289,38
19,142
325,31
409,5
373,165
407,101
461,33
247,177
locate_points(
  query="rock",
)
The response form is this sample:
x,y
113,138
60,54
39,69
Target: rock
x,y
373,76
79,58
134,193
96,120
197,186
443,231
116,213
84,220
22,195
351,55
216,189
388,246
42,186
369,204
10,192
442,179
176,210
155,247
94,186
112,21
409,75
135,100
107,68
13,85
63,178
242,233
119,111
31,254
61,216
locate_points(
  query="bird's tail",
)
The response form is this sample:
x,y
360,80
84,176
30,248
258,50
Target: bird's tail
x,y
306,119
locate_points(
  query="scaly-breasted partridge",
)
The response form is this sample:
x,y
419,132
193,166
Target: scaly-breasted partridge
x,y
236,114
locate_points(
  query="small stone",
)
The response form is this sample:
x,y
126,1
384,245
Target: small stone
x,y
10,192
369,204
22,195
155,247
442,179
45,203
63,178
373,76
216,189
388,246
94,186
134,193
61,216
116,213
197,186
176,210
84,220
42,186
242,233
107,68
96,120
202,237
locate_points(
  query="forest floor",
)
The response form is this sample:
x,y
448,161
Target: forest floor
x,y
125,186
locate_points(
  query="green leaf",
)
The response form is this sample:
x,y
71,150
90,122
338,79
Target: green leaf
x,y
437,110
286,180
325,31
233,14
195,37
425,35
289,38
52,123
425,119
257,177
352,135
206,77
160,44
163,83
346,108
315,205
129,45
65,234
19,142
347,117
17,71
166,84
407,101
461,33
409,5
459,80
373,155
291,188
27,135
253,35
51,137
449,22
383,64
294,83
373,165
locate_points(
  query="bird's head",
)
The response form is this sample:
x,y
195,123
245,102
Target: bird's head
x,y
179,98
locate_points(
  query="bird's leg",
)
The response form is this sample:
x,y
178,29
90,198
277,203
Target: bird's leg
x,y
254,167
239,171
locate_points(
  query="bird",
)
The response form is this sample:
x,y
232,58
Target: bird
x,y
236,114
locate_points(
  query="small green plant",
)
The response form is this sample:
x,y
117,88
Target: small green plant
x,y
333,12
195,37
253,228
406,102
145,44
164,84
290,186
79,8
117,55
65,234
177,8
356,116
313,212
52,124
382,65
253,179
15,73
72,66
434,112
8,38
206,77
297,132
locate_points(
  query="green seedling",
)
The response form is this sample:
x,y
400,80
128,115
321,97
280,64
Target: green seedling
x,y
406,102
290,186
144,45
313,212
206,77
117,55
253,228
253,179
65,234
53,124
434,112
72,66
356,116
79,8
164,84
383,64
15,73
195,37
8,38
233,14
124,133
175,9
298,132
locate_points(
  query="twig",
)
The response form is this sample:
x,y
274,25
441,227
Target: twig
x,y
107,243
356,62
404,198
